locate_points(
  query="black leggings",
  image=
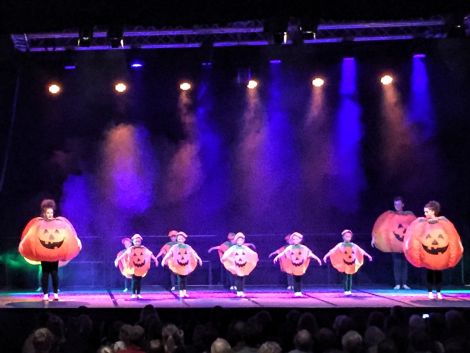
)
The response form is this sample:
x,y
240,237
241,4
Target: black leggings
x,y
240,283
182,282
347,282
50,268
297,283
434,279
136,284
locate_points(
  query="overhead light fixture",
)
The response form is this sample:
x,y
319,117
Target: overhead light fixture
x,y
85,36
115,36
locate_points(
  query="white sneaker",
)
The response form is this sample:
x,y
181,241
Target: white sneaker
x,y
298,294
56,296
139,296
290,287
406,287
430,295
181,294
397,287
125,290
133,296
439,296
173,288
233,288
240,294
185,294
347,292
45,297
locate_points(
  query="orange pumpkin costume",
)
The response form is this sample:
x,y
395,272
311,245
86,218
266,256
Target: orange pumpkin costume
x,y
240,260
433,244
390,229
182,260
347,257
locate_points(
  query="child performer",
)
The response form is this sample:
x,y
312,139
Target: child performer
x,y
298,258
347,258
163,251
283,260
220,250
182,260
139,258
126,271
240,260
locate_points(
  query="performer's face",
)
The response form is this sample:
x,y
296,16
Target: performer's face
x,y
429,213
49,214
295,240
173,238
240,241
137,242
180,239
347,237
398,204
127,244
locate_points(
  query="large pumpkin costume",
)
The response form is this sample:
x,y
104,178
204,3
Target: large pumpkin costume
x,y
139,260
296,259
182,260
433,244
390,229
49,240
347,257
240,260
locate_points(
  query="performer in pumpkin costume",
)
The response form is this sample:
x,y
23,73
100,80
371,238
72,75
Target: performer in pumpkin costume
x,y
433,242
182,260
220,250
347,257
125,270
163,251
240,260
283,260
388,235
298,258
49,240
138,261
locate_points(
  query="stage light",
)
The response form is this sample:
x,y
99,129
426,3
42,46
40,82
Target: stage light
x,y
54,88
386,79
85,36
115,37
252,84
136,64
318,82
275,61
185,86
419,56
120,87
70,67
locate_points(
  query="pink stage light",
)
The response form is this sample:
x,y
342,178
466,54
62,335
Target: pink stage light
x,y
185,86
120,87
54,88
252,84
386,80
318,82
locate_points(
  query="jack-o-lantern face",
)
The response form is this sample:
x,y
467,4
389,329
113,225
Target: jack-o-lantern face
x,y
242,260
434,245
347,258
49,240
139,260
390,230
183,261
298,260
182,257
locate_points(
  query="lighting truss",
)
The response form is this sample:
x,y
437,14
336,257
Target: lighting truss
x,y
246,33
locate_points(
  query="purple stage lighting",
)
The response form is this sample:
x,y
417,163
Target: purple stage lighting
x,y
70,67
419,56
275,61
137,65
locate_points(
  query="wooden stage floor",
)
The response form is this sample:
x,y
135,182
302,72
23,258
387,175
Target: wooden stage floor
x,y
255,298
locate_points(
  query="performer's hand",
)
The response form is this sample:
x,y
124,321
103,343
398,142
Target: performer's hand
x,y
163,264
156,263
276,259
325,258
319,262
200,262
370,258
272,254
115,263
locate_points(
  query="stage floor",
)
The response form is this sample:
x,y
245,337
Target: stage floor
x,y
255,298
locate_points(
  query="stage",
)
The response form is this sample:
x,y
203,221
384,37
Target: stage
x,y
256,297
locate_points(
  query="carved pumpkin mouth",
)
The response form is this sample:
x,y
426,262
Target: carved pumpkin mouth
x,y
139,264
51,244
182,262
349,262
399,237
435,251
298,262
240,264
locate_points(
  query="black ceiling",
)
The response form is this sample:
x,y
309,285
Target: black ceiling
x,y
51,15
